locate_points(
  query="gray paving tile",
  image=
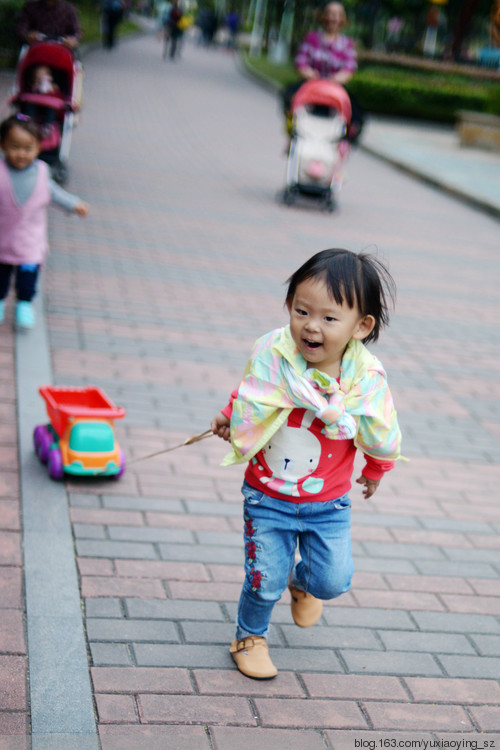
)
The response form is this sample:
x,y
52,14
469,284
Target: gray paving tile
x,y
202,553
464,527
151,534
89,531
220,538
363,617
306,660
404,551
450,622
397,640
143,504
111,549
168,609
116,630
473,667
456,569
386,564
79,500
198,507
106,607
164,655
385,519
487,645
391,663
110,654
331,637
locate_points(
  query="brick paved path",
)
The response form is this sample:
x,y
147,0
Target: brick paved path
x,y
158,297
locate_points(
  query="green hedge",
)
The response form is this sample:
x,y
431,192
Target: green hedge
x,y
403,92
426,96
9,44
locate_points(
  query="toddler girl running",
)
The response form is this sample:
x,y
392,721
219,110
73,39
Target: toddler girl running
x,y
25,192
310,396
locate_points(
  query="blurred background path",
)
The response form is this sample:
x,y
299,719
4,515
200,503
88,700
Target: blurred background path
x,y
157,297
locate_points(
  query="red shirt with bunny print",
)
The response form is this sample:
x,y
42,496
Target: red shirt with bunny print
x,y
300,464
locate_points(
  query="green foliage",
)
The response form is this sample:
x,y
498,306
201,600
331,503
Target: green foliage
x,y
422,95
90,20
403,92
9,44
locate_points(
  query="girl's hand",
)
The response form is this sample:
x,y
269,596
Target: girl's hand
x,y
82,209
370,485
220,426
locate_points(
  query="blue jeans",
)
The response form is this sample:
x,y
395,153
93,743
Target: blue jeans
x,y
272,529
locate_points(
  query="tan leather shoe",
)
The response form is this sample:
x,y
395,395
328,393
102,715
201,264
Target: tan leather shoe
x,y
251,656
306,609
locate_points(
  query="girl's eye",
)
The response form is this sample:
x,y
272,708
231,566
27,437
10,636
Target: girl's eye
x,y
329,319
300,312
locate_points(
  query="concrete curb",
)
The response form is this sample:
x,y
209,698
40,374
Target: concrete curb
x,y
427,179
61,701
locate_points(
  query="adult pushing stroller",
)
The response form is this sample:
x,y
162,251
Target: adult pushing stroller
x,y
320,117
53,106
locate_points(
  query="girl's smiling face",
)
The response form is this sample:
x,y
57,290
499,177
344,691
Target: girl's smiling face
x,y
321,328
20,147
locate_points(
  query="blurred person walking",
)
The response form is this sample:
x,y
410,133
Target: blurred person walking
x,y
329,54
26,190
172,31
111,16
57,19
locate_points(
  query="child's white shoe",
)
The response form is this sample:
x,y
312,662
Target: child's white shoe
x,y
25,315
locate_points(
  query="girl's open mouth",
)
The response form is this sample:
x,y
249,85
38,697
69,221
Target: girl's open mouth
x,y
312,344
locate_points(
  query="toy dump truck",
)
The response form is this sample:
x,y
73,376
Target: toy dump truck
x,y
80,438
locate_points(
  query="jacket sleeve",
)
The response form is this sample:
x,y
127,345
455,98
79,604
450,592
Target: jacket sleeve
x,y
378,434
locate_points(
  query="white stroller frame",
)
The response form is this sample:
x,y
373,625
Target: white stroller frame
x,y
316,157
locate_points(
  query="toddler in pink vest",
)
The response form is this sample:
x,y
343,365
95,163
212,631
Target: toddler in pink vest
x,y
26,190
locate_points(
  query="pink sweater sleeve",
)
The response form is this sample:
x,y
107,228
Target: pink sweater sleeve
x,y
375,469
228,410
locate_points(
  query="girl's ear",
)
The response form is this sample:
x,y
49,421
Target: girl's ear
x,y
365,326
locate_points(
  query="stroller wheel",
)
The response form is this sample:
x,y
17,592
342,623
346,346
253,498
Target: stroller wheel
x,y
330,203
60,173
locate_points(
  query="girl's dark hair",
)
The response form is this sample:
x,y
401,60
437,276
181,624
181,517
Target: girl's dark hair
x,y
19,121
358,279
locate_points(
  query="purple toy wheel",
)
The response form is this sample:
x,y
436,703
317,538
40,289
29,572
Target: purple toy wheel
x,y
123,463
55,464
43,439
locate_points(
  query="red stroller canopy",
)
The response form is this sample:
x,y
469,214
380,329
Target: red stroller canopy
x,y
52,54
325,93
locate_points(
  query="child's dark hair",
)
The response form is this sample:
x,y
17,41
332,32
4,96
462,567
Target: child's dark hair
x,y
359,279
18,121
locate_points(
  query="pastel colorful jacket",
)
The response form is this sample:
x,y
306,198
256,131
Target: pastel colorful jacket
x,y
277,380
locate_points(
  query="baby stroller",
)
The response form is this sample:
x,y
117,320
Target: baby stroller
x,y
54,110
321,113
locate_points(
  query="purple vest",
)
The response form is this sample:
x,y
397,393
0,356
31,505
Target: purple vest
x,y
23,229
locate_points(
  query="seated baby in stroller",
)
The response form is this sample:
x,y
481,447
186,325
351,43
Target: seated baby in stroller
x,y
43,83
